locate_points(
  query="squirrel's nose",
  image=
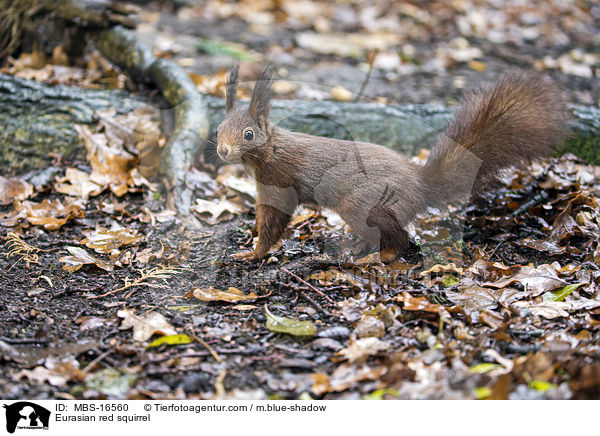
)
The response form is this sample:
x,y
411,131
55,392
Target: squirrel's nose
x,y
222,151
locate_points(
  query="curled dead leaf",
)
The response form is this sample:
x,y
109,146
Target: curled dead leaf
x,y
14,189
145,326
80,257
231,295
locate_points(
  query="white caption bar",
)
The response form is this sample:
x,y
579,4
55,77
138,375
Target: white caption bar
x,y
88,418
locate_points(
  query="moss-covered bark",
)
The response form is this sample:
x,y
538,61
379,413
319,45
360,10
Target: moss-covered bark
x,y
38,120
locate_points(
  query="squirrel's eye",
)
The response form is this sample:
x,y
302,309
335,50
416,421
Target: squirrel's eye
x,y
249,135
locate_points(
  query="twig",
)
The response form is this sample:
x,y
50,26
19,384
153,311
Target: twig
x,y
495,249
160,272
95,362
307,297
304,282
23,340
205,345
371,59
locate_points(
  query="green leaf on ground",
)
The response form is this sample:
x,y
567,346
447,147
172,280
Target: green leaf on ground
x,y
223,48
482,368
540,385
562,293
379,394
290,326
482,393
171,340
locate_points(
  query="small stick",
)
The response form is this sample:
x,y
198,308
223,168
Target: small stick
x,y
370,58
307,297
23,341
495,249
95,362
205,345
304,282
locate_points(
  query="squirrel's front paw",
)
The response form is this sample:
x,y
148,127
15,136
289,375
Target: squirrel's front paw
x,y
246,255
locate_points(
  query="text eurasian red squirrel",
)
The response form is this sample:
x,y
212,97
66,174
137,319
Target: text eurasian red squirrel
x,y
375,190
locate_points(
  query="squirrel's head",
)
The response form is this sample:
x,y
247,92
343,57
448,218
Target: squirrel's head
x,y
245,130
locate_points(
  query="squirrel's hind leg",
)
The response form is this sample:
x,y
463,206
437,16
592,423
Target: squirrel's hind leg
x,y
381,228
393,244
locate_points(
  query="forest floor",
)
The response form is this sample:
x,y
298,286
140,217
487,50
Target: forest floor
x,y
106,294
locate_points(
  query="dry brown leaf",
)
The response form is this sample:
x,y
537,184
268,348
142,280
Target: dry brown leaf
x,y
77,183
535,280
216,211
56,372
340,93
419,304
91,322
144,327
361,349
50,214
439,268
346,44
244,185
231,295
146,255
344,377
105,241
370,326
80,257
14,189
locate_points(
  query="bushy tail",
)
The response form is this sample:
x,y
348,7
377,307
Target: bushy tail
x,y
520,118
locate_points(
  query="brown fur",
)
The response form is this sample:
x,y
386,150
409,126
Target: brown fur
x,y
374,189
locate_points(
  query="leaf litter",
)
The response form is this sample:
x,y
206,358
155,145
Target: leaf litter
x,y
508,308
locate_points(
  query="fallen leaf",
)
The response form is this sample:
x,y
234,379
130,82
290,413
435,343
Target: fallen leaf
x,y
562,293
243,185
419,304
56,372
14,189
549,309
181,339
482,368
111,382
105,241
231,295
144,327
370,326
226,48
91,322
146,255
294,327
536,280
52,215
346,44
361,349
217,211
80,257
77,183
343,377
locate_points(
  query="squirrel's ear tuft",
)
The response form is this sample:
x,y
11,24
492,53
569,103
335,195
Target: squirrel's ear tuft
x,y
261,98
232,83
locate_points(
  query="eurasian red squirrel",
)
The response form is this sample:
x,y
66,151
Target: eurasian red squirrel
x,y
374,189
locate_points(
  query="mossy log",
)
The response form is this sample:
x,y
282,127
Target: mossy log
x,y
38,120
406,128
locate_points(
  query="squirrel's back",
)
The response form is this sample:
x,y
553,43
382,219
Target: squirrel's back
x,y
520,118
